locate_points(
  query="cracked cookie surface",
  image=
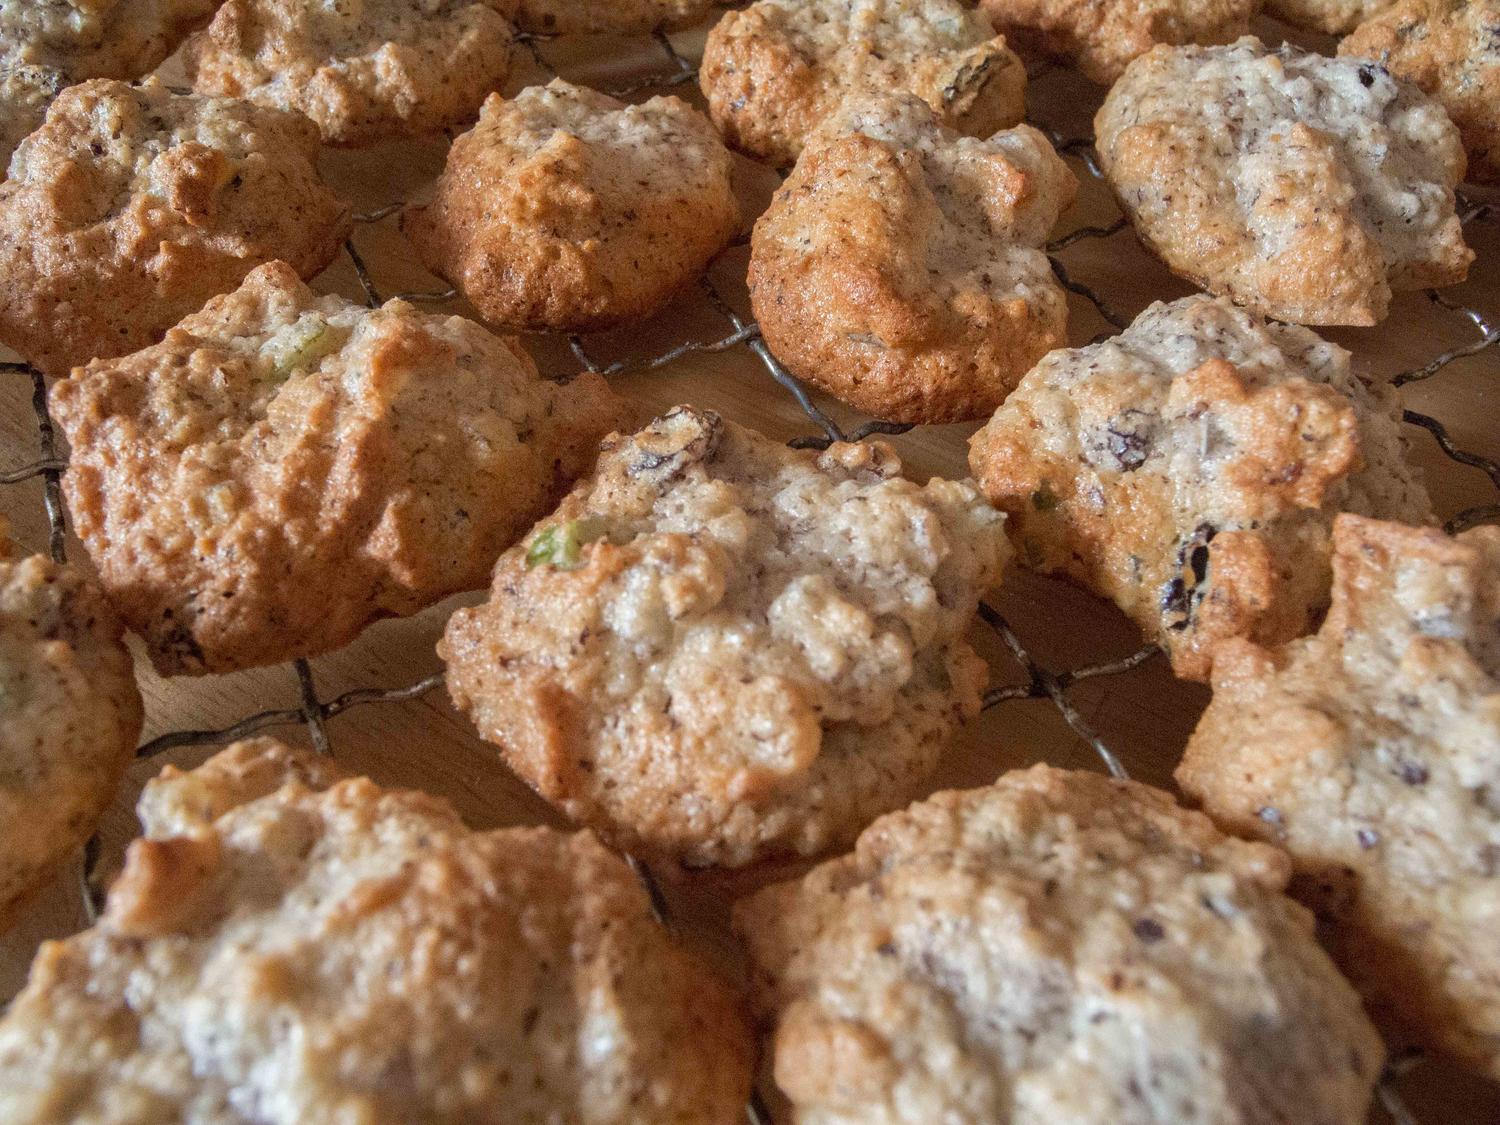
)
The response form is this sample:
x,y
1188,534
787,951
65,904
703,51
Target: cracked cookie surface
x,y
122,39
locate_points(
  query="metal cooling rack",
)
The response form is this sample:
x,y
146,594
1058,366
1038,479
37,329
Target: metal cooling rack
x,y
1039,682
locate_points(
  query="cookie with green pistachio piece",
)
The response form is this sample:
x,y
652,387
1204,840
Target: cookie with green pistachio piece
x,y
285,468
720,649
773,72
1190,469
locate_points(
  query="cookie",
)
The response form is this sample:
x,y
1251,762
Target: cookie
x,y
121,39
1306,188
900,267
567,17
131,206
25,94
1451,49
1102,38
1058,947
69,718
1332,17
285,468
1191,468
565,210
363,71
719,649
1371,753
356,954
773,72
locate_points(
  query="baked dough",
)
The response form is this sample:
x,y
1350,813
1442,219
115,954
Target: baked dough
x,y
563,17
121,39
25,94
1332,17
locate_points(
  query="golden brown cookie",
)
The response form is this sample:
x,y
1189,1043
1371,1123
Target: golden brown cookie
x,y
719,648
1371,753
1191,468
285,468
121,39
1451,49
565,210
565,17
132,206
329,951
1332,17
1306,188
69,718
774,71
1058,947
1101,37
25,94
900,267
362,70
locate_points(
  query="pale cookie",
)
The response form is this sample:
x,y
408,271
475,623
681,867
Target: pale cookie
x,y
1451,49
565,210
719,649
121,39
285,468
69,718
900,268
132,206
1101,37
564,17
1056,948
363,70
25,94
1371,752
328,951
1304,187
1191,469
774,71
1332,17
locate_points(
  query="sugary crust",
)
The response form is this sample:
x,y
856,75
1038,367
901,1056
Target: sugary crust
x,y
1371,752
358,955
69,718
1332,17
25,94
1102,38
1191,469
566,210
285,468
899,267
719,649
773,72
121,39
362,70
1304,187
1451,49
569,16
131,206
1057,947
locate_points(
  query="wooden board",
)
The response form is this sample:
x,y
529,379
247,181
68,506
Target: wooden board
x,y
1144,715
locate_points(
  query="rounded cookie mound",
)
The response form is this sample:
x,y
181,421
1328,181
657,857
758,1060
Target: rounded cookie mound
x,y
564,17
287,953
362,71
1191,469
69,718
1371,753
1304,187
719,648
774,71
285,468
565,210
1332,17
1056,947
131,206
1451,49
121,39
900,268
25,94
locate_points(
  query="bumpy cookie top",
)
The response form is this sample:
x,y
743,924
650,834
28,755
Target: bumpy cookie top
x,y
567,16
1371,751
285,467
97,38
1451,49
900,266
772,72
1056,947
1304,187
69,717
25,94
285,955
361,69
1191,467
719,648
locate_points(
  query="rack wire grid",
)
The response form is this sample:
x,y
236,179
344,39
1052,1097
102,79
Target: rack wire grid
x,y
1038,682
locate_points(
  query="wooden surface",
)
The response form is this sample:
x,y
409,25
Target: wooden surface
x,y
1144,715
